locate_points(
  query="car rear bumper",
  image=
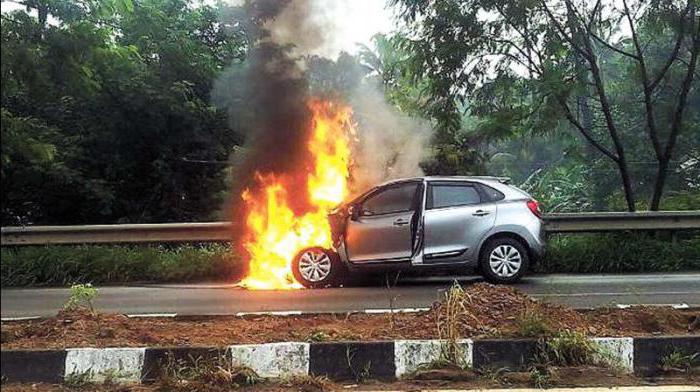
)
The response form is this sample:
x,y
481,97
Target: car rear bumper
x,y
538,245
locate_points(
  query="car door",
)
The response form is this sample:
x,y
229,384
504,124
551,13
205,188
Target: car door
x,y
455,220
381,228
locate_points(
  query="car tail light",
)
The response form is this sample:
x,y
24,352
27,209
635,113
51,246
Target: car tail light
x,y
534,207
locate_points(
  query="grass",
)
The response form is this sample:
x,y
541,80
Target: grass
x,y
204,374
448,323
308,383
570,348
317,336
680,360
621,252
533,323
68,265
99,264
565,348
78,380
540,378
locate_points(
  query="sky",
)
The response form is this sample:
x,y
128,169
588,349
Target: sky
x,y
359,20
356,21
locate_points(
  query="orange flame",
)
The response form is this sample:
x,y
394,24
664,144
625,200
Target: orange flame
x,y
274,234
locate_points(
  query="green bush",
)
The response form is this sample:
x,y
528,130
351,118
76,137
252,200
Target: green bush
x,y
66,265
621,252
81,295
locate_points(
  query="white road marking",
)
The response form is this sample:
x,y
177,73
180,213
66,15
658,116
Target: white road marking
x,y
400,310
138,315
4,319
674,306
651,293
272,313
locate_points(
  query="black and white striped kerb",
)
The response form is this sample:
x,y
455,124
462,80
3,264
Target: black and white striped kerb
x,y
647,351
33,365
356,360
338,360
512,354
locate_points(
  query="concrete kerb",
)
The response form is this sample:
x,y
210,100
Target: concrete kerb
x,y
336,360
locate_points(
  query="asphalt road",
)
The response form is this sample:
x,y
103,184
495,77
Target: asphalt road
x,y
580,291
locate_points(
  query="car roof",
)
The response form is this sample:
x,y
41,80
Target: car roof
x,y
501,180
499,183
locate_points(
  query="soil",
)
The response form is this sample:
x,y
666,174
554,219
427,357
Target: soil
x,y
484,311
584,376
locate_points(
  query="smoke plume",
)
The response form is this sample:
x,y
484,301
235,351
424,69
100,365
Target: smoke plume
x,y
390,144
266,98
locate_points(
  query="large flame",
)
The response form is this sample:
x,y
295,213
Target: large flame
x,y
274,233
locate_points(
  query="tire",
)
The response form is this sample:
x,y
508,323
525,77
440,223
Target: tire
x,y
499,260
317,268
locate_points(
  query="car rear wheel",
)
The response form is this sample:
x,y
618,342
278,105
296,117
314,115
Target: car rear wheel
x,y
504,260
316,268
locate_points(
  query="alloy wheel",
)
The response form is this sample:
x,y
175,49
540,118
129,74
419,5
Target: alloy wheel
x,y
505,261
314,265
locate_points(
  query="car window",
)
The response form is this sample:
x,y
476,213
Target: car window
x,y
492,194
395,199
451,195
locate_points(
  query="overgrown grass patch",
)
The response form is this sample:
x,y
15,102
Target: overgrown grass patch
x,y
66,265
533,323
204,374
621,252
57,265
569,348
680,360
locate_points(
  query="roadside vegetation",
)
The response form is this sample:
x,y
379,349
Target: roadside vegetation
x,y
135,130
564,352
99,264
621,252
476,311
105,264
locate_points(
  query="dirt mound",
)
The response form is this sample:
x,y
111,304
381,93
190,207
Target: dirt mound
x,y
80,327
646,320
476,311
484,309
491,310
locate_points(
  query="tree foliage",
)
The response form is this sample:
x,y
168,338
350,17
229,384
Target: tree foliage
x,y
603,67
106,114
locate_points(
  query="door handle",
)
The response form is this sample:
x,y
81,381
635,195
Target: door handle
x,y
481,213
400,222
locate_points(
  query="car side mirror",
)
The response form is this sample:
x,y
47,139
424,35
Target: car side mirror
x,y
354,212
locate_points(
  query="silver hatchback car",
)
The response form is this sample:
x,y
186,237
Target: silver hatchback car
x,y
430,223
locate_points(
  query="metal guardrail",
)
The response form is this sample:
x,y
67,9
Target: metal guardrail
x,y
104,234
620,221
221,231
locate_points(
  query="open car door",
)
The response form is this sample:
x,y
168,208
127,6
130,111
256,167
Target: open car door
x,y
381,228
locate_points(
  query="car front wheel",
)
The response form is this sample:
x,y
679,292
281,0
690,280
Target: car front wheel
x,y
316,268
504,260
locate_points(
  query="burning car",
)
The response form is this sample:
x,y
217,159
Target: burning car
x,y
429,223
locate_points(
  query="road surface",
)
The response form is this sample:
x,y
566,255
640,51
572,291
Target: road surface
x,y
580,291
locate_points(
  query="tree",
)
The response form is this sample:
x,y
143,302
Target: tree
x,y
118,92
452,145
525,64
